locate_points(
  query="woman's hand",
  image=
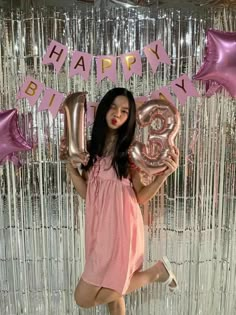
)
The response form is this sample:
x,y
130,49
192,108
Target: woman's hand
x,y
145,193
63,154
172,162
72,162
63,151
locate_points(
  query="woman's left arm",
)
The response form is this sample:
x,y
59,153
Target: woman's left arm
x,y
145,193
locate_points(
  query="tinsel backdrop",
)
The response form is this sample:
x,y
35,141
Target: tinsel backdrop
x,y
192,220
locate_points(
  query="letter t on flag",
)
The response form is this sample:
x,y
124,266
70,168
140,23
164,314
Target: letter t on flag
x,y
91,112
56,54
52,101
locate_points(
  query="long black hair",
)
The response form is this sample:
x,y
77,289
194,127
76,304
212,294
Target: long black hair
x,y
125,133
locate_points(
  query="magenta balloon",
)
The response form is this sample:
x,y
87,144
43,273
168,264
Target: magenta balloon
x,y
220,60
11,139
149,157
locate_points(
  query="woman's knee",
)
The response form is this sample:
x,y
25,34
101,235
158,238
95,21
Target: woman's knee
x,y
82,301
117,305
85,295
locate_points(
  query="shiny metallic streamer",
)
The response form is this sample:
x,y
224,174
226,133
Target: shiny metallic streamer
x,y
192,219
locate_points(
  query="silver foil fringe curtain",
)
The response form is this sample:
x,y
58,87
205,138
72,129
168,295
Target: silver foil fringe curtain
x,y
192,219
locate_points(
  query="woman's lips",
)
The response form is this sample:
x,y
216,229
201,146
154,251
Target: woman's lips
x,y
114,121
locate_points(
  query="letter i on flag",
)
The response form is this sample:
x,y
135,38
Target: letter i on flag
x,y
56,54
31,89
52,101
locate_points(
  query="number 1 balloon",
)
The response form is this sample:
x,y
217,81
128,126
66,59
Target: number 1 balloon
x,y
219,65
75,127
149,157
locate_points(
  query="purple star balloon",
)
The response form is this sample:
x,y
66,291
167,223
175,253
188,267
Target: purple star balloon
x,y
220,61
11,139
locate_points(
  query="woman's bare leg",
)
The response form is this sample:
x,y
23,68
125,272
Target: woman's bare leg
x,y
87,295
140,279
117,307
155,273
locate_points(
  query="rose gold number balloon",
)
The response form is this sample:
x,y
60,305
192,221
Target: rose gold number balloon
x,y
148,157
75,127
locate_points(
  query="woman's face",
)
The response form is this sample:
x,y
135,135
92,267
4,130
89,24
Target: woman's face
x,y
118,112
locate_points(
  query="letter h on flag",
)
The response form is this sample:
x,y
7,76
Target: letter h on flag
x,y
56,54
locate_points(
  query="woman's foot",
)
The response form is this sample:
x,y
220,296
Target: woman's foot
x,y
164,274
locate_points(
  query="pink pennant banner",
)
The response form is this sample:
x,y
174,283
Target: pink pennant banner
x,y
80,64
155,53
132,64
106,68
52,101
56,54
13,158
193,141
31,89
183,87
91,112
162,93
212,88
140,100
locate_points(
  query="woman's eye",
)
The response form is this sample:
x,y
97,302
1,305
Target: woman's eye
x,y
125,112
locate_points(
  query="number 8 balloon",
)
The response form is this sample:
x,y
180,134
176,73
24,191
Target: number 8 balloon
x,y
149,157
75,127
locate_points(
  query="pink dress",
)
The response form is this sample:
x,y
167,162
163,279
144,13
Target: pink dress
x,y
114,231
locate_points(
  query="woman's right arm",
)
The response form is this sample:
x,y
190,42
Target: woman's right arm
x,y
79,181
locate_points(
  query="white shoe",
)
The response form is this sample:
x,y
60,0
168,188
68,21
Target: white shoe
x,y
171,277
